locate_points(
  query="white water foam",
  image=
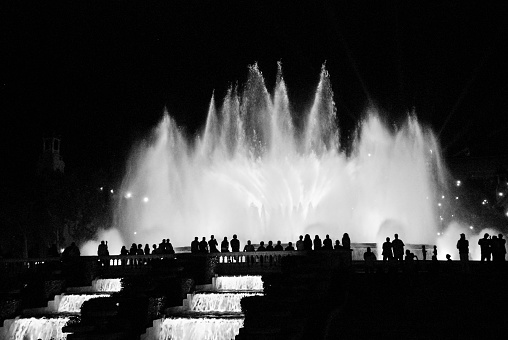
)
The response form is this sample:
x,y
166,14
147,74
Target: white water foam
x,y
224,302
72,303
200,328
107,285
232,283
256,173
37,328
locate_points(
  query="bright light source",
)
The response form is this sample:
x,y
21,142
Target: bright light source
x,y
438,234
135,233
111,191
471,227
145,199
500,194
101,188
458,183
128,194
427,197
456,197
430,150
369,155
507,213
442,197
439,204
62,250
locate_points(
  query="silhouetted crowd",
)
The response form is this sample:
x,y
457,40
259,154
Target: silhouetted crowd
x,y
303,243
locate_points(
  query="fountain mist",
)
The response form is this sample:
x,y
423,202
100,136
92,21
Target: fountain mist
x,y
254,173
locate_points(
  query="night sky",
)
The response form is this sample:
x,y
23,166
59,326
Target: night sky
x,y
99,74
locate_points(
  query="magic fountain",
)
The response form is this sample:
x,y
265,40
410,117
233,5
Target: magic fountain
x,y
256,173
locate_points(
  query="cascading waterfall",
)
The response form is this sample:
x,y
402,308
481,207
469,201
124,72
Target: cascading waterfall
x,y
223,302
255,173
37,328
200,328
239,283
72,303
107,285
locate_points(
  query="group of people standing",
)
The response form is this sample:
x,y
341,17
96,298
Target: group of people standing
x,y
211,246
492,247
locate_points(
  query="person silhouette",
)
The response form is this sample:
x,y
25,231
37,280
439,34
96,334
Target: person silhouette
x,y
212,245
484,244
290,246
169,247
248,246
463,247
387,250
261,246
224,245
495,249
278,246
448,258
424,253
307,243
398,248
370,258
434,254
317,243
235,244
337,245
154,249
299,243
194,246
327,243
140,251
346,241
203,246
269,247
147,249
502,248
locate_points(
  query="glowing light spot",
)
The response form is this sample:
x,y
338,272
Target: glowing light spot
x,y
101,188
369,155
111,191
442,197
430,150
135,233
438,234
456,197
458,183
501,194
145,199
439,204
471,227
128,194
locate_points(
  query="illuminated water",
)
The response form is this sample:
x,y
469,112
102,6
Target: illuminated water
x,y
223,302
255,173
37,328
200,328
107,285
239,283
72,303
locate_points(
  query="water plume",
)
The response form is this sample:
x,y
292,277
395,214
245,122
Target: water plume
x,y
255,173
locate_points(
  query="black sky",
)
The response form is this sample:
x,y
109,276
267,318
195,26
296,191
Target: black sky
x,y
100,73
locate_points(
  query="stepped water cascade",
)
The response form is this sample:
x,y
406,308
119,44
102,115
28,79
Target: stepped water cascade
x,y
263,172
50,320
200,328
210,316
72,303
107,285
37,328
239,283
220,302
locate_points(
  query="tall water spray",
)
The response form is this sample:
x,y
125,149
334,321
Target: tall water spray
x,y
255,173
